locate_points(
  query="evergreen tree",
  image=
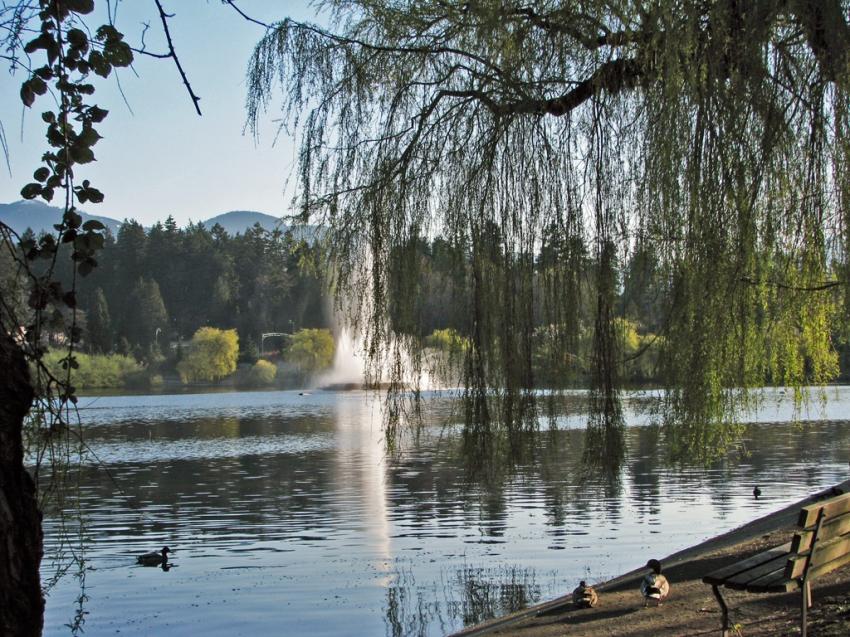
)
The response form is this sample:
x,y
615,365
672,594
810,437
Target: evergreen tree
x,y
127,268
146,323
99,324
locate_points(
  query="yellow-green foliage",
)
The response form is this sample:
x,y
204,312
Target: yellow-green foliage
x,y
640,351
94,371
312,350
727,166
447,340
212,355
262,373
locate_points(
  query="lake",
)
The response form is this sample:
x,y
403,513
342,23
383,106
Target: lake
x,y
288,518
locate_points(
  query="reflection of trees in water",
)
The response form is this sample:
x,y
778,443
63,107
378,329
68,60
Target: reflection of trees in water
x,y
469,595
642,466
489,593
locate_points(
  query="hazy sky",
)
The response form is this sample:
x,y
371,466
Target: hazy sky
x,y
161,158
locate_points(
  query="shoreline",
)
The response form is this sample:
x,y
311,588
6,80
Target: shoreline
x,y
618,597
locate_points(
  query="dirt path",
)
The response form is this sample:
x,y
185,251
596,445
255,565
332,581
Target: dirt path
x,y
691,608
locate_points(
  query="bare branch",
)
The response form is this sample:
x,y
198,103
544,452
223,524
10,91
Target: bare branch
x,y
245,15
173,54
611,77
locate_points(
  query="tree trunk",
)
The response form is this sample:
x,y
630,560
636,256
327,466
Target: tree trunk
x,y
21,603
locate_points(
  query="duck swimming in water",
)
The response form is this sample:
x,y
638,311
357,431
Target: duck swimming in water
x,y
584,596
654,585
154,558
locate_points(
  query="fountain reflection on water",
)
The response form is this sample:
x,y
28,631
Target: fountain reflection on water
x,y
289,518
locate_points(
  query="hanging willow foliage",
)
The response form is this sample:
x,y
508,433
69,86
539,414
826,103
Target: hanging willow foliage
x,y
712,134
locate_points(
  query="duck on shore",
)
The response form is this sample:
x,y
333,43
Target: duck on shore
x,y
154,558
654,585
585,596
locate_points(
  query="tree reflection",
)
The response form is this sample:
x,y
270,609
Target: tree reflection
x,y
469,595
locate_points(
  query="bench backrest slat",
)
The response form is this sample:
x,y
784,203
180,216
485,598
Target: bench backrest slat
x,y
825,553
722,574
831,528
833,507
817,571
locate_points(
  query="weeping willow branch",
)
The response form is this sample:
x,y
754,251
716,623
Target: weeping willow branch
x,y
828,285
548,144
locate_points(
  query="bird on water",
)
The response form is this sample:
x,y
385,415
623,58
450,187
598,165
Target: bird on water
x,y
154,558
757,492
654,585
585,596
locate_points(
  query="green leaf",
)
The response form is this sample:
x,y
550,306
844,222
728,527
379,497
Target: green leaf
x,y
31,191
82,7
43,41
55,137
118,53
92,225
37,299
48,117
97,114
41,174
96,241
72,218
82,154
77,39
89,136
108,32
95,196
38,85
44,72
27,94
99,64
85,268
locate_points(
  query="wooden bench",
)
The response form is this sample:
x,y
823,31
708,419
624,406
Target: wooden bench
x,y
820,545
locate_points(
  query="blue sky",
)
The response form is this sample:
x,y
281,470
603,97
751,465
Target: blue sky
x,y
162,158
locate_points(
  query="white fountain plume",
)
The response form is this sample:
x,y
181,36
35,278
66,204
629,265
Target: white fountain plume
x,y
349,366
351,370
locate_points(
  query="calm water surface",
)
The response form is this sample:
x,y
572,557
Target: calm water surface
x,y
288,518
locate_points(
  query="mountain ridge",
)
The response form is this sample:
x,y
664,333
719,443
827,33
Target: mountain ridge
x,y
22,214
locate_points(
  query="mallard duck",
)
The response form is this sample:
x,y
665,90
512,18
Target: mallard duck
x,y
584,596
654,585
154,558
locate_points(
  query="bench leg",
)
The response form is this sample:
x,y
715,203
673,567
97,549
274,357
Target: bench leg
x,y
807,594
723,608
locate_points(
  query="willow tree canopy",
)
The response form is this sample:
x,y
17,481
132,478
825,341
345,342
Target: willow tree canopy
x,y
711,133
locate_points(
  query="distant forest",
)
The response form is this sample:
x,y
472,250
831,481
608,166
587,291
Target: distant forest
x,y
152,289
156,287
